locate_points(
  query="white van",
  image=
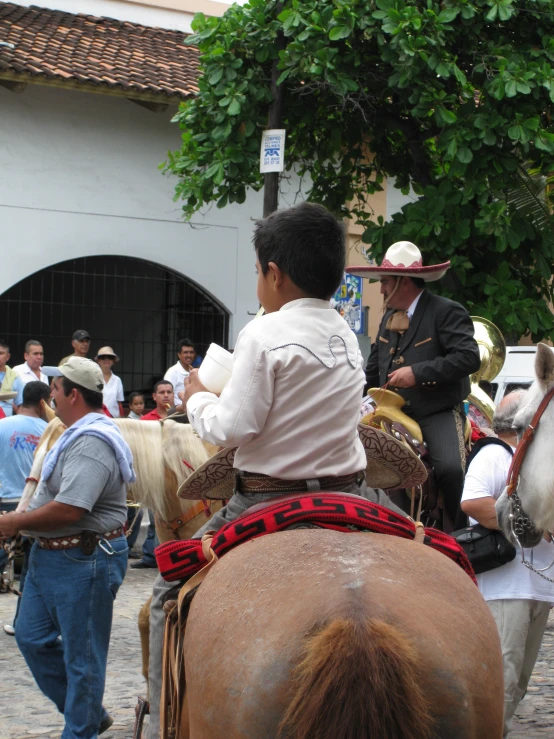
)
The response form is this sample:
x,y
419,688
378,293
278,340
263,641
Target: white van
x,y
517,371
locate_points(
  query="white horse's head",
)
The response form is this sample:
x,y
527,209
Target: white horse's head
x,y
535,487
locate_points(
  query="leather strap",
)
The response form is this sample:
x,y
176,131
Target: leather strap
x,y
70,542
184,518
142,709
248,483
173,664
525,441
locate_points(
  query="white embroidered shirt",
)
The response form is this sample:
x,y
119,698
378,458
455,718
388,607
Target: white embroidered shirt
x,y
292,403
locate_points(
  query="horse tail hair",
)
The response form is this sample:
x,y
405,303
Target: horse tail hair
x,y
358,680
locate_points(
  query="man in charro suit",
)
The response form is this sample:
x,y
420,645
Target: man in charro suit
x,y
425,351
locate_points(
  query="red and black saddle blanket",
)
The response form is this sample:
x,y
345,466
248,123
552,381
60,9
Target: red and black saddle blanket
x,y
181,559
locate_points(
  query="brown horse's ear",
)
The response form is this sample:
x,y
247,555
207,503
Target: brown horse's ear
x,y
544,364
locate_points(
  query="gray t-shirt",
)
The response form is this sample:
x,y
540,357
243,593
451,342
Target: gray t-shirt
x,y
86,475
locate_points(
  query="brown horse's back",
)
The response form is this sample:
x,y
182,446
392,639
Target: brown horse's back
x,y
281,623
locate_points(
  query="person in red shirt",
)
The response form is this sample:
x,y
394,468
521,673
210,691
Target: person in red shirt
x,y
163,397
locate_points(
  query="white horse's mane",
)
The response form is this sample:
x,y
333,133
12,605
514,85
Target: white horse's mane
x,y
156,447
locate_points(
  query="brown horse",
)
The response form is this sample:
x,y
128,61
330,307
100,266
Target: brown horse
x,y
316,634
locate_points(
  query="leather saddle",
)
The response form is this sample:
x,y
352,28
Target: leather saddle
x,y
390,418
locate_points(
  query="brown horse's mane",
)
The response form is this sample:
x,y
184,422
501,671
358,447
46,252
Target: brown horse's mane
x,y
358,679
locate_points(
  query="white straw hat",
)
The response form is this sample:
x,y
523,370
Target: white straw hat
x,y
403,259
107,351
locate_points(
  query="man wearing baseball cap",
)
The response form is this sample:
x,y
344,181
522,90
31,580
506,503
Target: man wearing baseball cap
x,y
79,557
80,341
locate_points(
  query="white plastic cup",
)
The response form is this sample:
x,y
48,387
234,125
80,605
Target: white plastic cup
x,y
215,371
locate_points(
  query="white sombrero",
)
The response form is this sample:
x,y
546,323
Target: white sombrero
x,y
390,464
403,259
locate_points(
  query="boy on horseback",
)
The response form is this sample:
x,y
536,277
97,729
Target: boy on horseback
x,y
293,401
292,404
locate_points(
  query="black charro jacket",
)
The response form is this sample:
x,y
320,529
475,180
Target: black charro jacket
x,y
438,346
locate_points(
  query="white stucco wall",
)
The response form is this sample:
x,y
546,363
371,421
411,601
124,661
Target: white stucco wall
x,y
176,15
396,200
79,176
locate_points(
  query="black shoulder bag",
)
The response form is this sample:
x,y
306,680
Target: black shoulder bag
x,y
486,549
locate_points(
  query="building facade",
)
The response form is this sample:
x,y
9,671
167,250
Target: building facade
x,y
89,234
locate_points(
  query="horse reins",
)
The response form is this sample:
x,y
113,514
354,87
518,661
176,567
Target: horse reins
x,y
524,443
182,519
518,520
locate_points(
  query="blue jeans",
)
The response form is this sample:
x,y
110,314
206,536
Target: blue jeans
x,y
150,543
70,595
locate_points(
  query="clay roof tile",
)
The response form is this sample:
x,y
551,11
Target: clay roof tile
x,y
86,49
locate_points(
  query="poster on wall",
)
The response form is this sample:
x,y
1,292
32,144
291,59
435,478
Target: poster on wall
x,y
348,302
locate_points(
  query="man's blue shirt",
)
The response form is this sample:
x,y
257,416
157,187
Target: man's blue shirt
x,y
19,436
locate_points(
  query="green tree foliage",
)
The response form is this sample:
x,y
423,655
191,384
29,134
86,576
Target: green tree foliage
x,y
452,99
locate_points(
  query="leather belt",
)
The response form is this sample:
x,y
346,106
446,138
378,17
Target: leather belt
x,y
70,542
249,483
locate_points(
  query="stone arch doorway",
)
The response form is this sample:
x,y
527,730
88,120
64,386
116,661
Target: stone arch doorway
x,y
135,306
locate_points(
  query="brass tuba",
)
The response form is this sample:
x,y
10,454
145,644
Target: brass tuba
x,y
492,349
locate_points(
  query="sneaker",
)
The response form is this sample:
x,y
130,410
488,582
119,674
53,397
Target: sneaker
x,y
105,725
9,629
133,554
142,565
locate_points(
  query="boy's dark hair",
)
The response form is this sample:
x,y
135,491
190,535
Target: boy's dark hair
x,y
184,342
135,394
34,392
307,243
3,345
161,382
92,398
418,282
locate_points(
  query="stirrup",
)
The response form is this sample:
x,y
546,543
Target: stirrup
x,y
142,709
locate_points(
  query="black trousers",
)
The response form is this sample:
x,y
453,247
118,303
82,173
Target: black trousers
x,y
443,433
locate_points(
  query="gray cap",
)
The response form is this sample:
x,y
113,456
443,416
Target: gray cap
x,y
81,371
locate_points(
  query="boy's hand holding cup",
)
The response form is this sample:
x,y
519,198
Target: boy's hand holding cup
x,y
192,386
213,374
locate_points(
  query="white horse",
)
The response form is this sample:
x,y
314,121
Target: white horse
x,y
159,450
533,502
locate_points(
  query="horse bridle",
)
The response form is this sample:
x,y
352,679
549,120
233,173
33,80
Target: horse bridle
x,y
519,521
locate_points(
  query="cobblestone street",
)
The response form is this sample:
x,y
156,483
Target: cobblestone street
x,y
25,713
